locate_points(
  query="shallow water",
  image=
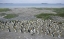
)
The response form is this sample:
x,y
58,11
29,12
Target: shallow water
x,y
31,5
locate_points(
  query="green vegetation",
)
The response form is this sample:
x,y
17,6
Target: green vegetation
x,y
44,16
4,9
2,14
8,16
59,11
60,14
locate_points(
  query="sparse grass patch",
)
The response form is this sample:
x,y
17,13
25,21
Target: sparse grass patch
x,y
8,16
4,9
60,14
59,11
2,14
44,16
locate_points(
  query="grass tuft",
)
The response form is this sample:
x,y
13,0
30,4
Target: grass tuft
x,y
2,14
44,16
8,16
59,11
4,9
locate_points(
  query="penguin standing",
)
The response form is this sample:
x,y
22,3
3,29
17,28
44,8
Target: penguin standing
x,y
31,32
9,29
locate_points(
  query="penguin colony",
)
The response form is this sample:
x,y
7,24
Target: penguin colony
x,y
39,26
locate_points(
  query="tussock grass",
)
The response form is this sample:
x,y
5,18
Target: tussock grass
x,y
8,16
44,16
2,14
4,9
59,11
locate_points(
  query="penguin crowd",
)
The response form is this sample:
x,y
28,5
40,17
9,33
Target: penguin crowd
x,y
39,26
